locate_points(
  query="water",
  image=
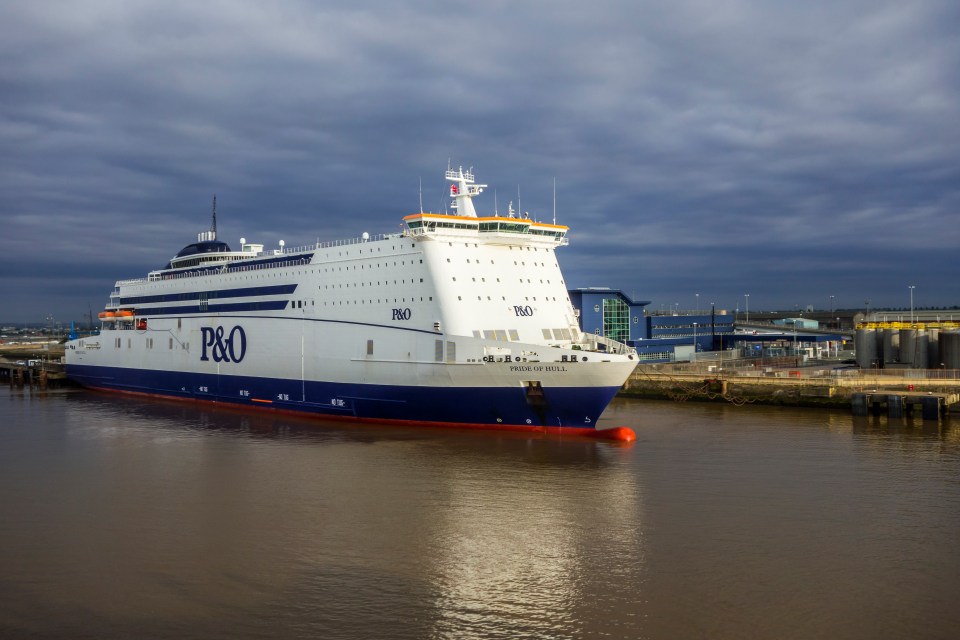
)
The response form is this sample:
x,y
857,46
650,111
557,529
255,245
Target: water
x,y
129,518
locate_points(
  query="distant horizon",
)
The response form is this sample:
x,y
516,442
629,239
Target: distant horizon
x,y
65,324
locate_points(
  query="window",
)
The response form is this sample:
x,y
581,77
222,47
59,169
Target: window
x,y
616,319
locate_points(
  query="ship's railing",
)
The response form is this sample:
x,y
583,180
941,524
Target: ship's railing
x,y
594,341
350,241
454,174
237,267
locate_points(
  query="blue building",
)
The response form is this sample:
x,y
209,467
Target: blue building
x,y
657,337
609,313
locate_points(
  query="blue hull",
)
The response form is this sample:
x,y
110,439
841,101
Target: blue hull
x,y
496,407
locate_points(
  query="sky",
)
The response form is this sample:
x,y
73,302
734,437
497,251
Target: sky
x,y
804,153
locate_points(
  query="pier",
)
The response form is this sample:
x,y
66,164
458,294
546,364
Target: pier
x,y
51,375
32,364
897,394
898,404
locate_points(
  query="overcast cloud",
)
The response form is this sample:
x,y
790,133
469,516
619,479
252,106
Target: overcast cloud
x,y
793,151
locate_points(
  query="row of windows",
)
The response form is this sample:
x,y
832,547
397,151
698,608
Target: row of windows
x,y
509,335
525,298
658,355
560,334
510,247
482,279
368,284
364,266
515,263
508,227
118,344
497,334
340,303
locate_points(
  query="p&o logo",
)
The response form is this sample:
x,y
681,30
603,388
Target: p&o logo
x,y
401,314
525,311
223,346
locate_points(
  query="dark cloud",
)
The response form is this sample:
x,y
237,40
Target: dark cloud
x,y
790,150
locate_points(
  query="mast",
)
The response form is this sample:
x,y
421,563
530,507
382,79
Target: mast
x,y
463,190
210,236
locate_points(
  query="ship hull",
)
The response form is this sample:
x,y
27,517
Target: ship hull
x,y
571,407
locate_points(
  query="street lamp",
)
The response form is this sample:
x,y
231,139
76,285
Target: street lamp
x,y
698,303
831,304
796,354
694,340
912,287
747,296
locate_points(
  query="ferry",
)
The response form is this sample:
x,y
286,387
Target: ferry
x,y
457,320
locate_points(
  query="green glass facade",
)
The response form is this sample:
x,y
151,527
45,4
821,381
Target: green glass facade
x,y
616,319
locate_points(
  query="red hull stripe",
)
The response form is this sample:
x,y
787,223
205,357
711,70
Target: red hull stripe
x,y
619,434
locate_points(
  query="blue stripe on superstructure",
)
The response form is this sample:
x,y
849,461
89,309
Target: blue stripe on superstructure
x,y
264,305
576,407
280,304
245,292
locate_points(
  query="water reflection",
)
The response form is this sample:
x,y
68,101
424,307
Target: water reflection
x,y
477,533
129,518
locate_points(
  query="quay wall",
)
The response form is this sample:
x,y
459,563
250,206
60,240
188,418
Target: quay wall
x,y
798,387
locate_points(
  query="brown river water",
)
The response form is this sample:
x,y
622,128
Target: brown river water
x,y
128,518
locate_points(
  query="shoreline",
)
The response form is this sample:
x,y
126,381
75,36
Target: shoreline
x,y
805,387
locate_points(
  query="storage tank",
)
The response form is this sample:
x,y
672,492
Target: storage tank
x,y
922,353
950,349
879,349
933,349
865,343
908,346
891,345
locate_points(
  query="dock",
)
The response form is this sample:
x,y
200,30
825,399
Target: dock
x,y
50,374
896,403
897,394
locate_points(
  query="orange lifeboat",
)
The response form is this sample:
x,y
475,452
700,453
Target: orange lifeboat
x,y
107,316
125,315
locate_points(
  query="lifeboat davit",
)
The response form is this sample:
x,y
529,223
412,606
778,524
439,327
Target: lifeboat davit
x,y
107,316
125,315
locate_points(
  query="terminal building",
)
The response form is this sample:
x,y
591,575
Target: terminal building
x,y
657,336
677,335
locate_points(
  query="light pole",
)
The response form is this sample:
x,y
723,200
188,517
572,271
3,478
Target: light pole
x,y
912,287
694,340
796,354
831,304
747,297
698,303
